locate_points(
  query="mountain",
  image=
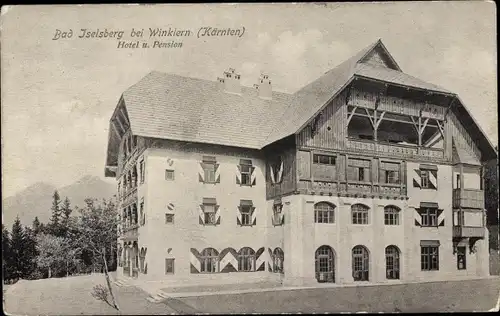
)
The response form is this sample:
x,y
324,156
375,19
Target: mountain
x,y
36,200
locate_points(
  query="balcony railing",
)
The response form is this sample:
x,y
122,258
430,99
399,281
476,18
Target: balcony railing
x,y
468,232
353,187
468,198
405,151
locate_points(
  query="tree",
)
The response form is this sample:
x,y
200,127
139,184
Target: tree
x,y
17,244
66,213
6,254
36,226
95,230
56,254
55,220
30,253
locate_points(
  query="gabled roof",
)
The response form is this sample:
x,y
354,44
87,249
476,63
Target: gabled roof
x,y
187,109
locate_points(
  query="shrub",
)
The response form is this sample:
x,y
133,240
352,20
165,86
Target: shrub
x,y
100,292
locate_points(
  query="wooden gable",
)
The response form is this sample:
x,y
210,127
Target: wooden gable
x,y
379,56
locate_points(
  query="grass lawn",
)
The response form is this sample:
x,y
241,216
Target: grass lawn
x,y
72,296
461,296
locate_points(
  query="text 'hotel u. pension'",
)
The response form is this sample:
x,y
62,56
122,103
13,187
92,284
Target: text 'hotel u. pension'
x,y
367,174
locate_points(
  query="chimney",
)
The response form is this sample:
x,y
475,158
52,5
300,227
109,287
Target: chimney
x,y
264,87
231,81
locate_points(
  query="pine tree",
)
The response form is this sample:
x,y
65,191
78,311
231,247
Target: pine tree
x,y
66,213
36,226
55,220
6,254
30,254
17,243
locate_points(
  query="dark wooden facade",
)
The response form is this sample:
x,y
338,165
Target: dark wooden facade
x,y
327,134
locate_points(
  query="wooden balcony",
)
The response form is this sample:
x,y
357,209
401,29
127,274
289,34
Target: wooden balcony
x,y
403,151
468,232
468,198
353,188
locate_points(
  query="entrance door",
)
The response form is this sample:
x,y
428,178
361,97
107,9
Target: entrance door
x,y
325,267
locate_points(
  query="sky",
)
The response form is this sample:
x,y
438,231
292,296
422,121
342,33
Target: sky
x,y
58,95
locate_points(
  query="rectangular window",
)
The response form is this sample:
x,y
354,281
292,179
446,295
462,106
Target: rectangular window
x,y
461,258
458,181
246,209
429,217
169,266
391,216
169,218
141,168
389,172
246,169
169,175
359,170
209,168
324,160
428,177
209,210
277,208
429,257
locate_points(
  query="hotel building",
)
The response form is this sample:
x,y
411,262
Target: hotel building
x,y
367,174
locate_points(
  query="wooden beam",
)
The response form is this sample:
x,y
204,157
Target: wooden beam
x,y
117,119
448,109
115,129
126,124
380,119
370,117
440,127
425,124
349,117
433,139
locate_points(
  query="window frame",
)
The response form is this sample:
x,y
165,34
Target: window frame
x,y
426,258
322,211
142,170
169,215
246,212
462,253
209,257
426,216
391,215
209,165
277,211
246,163
206,212
395,265
167,261
332,159
246,257
360,216
171,172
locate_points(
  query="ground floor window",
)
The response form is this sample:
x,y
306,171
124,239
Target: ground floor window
x,y
278,258
461,258
392,262
209,260
325,268
169,266
360,262
429,257
246,260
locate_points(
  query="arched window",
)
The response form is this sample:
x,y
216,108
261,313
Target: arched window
x,y
325,264
324,213
359,214
246,259
278,258
391,215
209,260
392,262
360,263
